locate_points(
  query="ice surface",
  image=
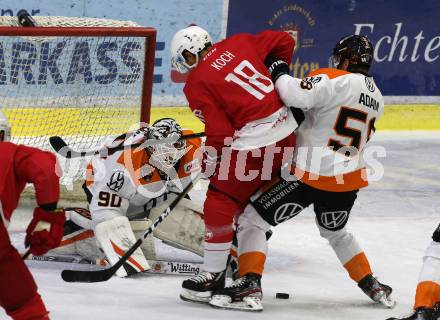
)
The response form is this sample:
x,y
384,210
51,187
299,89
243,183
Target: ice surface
x,y
393,220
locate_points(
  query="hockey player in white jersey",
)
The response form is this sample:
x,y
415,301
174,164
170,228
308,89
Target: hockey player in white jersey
x,y
427,301
127,190
341,106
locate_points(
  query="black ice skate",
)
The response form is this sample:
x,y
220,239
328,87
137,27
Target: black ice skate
x,y
421,314
378,292
243,294
199,288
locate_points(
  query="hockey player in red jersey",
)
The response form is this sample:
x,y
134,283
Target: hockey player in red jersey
x,y
20,165
230,90
328,170
427,301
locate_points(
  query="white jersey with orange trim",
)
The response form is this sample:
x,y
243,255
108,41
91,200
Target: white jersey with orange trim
x,y
341,109
126,183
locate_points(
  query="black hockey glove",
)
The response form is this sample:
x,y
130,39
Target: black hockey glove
x,y
276,67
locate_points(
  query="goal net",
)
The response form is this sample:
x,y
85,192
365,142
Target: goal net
x,y
78,78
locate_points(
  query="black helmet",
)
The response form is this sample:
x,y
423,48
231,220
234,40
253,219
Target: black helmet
x,y
357,49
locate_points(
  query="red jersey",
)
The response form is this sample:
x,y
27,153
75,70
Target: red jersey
x,y
20,165
231,87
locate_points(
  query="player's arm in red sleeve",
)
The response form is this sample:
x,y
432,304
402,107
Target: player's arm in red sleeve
x,y
39,168
275,43
46,229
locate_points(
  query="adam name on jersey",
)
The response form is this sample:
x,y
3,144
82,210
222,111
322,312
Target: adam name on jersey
x,y
368,101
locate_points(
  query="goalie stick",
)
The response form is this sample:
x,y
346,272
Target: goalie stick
x,y
157,266
105,274
61,147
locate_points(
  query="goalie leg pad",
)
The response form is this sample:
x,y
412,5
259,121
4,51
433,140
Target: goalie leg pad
x,y
79,238
139,227
115,237
184,228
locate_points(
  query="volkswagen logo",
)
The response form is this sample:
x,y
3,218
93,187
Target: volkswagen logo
x,y
333,220
286,211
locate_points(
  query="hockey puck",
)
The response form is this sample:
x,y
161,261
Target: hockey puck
x,y
282,295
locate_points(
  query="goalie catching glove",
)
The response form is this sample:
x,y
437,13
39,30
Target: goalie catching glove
x,y
45,230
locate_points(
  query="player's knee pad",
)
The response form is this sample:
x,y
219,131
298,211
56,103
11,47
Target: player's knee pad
x,y
251,218
252,231
343,243
436,235
335,237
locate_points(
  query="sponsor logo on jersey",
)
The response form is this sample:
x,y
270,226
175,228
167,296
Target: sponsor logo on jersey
x,y
116,181
191,166
370,84
287,211
333,220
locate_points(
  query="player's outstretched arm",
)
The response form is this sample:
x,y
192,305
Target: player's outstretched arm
x,y
46,228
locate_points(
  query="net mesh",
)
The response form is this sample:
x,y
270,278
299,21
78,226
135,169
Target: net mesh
x,y
81,88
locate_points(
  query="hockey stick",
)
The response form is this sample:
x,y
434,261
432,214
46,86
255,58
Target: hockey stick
x,y
157,266
26,254
104,275
61,147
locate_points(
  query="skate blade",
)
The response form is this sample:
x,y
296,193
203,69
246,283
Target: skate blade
x,y
195,297
249,304
388,302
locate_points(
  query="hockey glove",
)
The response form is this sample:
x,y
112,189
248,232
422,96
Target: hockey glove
x,y
276,67
38,238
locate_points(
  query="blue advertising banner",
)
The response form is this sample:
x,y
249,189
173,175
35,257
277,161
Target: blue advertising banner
x,y
406,35
166,16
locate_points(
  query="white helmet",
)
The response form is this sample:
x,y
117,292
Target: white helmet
x,y
5,129
165,155
194,39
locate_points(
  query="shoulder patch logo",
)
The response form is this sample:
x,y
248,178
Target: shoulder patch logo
x,y
116,181
370,84
308,83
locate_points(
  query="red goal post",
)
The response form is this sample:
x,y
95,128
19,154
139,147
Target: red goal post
x,y
83,81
